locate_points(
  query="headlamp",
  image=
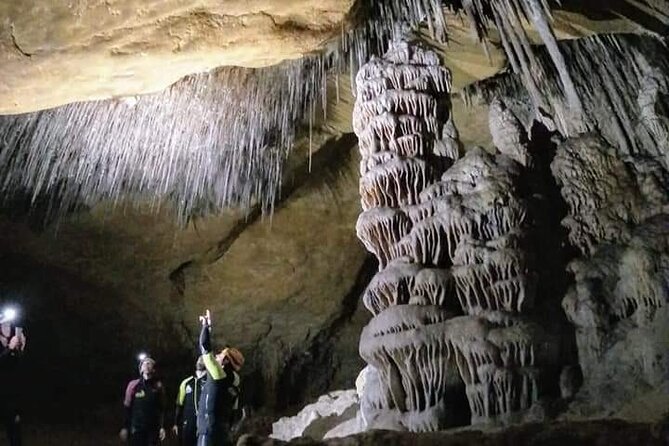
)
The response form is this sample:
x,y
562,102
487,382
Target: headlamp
x,y
9,314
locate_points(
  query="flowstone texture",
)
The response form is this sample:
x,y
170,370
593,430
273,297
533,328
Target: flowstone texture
x,y
611,167
454,282
477,209
316,419
618,221
406,138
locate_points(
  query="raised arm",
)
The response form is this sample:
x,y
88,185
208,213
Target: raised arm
x,y
214,369
205,339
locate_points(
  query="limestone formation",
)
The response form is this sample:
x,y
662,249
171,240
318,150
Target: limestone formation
x,y
600,190
449,234
404,283
57,52
623,101
618,220
454,301
229,128
400,118
508,134
482,218
612,172
316,419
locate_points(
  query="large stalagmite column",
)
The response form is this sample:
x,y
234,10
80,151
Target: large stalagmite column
x,y
402,119
453,282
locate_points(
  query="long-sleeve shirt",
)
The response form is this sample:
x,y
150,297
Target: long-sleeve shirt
x,y
5,351
144,404
188,400
11,378
220,392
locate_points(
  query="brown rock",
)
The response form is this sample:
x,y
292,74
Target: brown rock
x,y
56,52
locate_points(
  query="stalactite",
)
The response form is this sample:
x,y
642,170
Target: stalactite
x,y
221,139
617,77
402,283
196,145
380,229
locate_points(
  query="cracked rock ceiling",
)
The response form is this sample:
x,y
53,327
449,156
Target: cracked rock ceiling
x,y
61,51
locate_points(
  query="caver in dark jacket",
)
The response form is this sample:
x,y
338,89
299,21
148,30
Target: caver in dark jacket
x,y
220,394
12,344
144,404
188,406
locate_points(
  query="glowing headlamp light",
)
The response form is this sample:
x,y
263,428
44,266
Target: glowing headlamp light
x,y
9,315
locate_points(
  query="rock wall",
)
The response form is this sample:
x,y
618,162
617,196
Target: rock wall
x,y
611,166
102,285
618,304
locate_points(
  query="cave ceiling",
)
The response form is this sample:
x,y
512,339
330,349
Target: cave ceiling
x,y
87,117
57,52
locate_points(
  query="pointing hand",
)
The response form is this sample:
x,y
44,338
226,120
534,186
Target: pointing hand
x,y
206,319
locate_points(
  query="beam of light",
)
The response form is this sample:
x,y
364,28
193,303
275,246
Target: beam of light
x,y
9,315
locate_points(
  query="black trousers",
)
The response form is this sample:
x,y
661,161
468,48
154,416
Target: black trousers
x,y
188,436
144,438
12,427
218,436
13,430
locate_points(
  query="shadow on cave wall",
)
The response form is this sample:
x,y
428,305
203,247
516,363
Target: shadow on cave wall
x,y
549,243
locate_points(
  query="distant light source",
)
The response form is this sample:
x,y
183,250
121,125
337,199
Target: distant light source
x,y
9,314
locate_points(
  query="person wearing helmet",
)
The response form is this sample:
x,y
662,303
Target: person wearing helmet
x,y
12,345
187,407
220,394
144,404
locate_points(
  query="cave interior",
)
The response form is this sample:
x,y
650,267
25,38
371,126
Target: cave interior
x,y
421,221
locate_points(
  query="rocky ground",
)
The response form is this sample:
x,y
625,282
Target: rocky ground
x,y
584,433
